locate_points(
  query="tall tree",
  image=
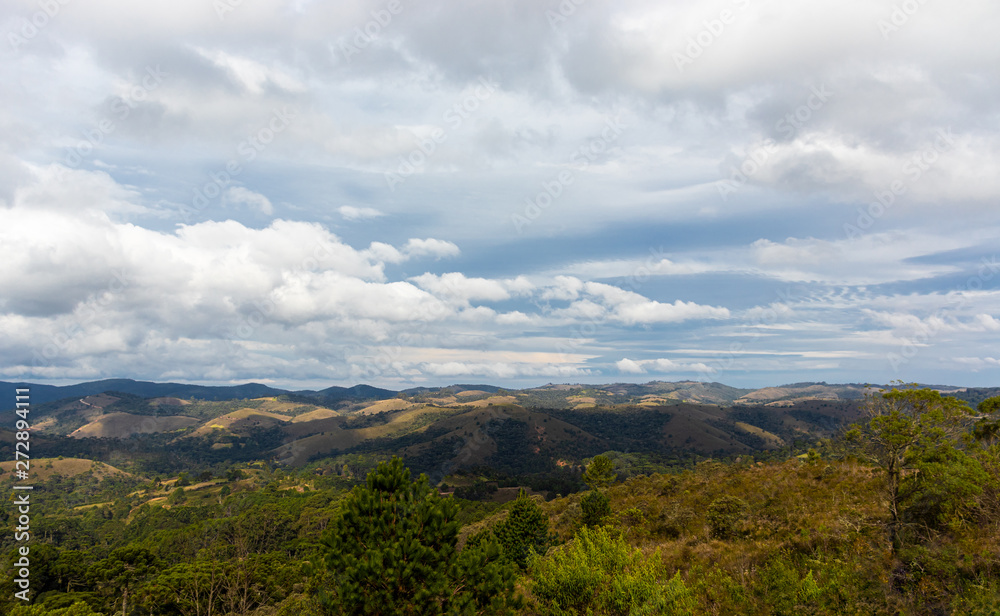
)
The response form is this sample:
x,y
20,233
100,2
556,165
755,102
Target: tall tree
x,y
393,552
123,570
524,531
914,436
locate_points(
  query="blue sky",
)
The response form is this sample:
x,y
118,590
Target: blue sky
x,y
516,192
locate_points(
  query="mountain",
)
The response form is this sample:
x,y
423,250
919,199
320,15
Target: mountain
x,y
520,431
146,389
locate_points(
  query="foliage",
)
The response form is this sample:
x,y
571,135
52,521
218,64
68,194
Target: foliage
x,y
599,473
595,507
915,437
77,609
725,516
524,532
393,551
599,573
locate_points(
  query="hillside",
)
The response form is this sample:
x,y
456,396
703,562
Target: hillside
x,y
532,431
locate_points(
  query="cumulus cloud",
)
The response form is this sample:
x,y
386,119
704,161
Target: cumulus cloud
x,y
430,248
631,308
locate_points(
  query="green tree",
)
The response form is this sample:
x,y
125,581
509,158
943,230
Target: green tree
x,y
77,609
524,532
987,429
596,508
122,571
725,515
393,552
600,473
915,437
177,497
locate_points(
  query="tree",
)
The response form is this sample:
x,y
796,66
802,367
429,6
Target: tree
x,y
987,429
177,497
122,571
725,515
393,551
524,532
77,609
596,508
600,473
914,436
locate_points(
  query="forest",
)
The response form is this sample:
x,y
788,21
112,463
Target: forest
x,y
896,513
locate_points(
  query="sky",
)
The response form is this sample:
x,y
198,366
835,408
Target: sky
x,y
513,192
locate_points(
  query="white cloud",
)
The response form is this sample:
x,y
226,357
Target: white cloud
x,y
350,212
631,308
238,195
249,73
978,363
430,248
660,366
628,366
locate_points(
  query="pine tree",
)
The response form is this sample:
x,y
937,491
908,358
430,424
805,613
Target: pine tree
x,y
600,473
525,530
393,552
596,507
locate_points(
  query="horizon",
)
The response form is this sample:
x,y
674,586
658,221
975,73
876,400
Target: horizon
x,y
321,386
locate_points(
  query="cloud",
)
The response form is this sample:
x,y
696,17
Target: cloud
x,y
500,370
430,248
627,366
660,366
860,218
631,308
350,212
238,195
978,363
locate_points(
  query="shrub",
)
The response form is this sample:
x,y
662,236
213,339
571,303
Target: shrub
x,y
599,573
725,516
673,521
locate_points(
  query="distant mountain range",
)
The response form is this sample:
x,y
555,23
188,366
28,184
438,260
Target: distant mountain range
x,y
41,394
539,429
548,396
